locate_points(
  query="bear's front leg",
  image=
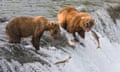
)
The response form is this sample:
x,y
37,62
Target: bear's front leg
x,y
36,38
35,42
82,37
82,33
75,37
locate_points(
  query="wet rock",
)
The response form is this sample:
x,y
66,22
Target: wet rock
x,y
114,10
4,19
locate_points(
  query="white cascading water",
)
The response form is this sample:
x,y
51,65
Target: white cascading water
x,y
83,59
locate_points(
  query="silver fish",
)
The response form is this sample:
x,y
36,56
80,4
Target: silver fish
x,y
96,37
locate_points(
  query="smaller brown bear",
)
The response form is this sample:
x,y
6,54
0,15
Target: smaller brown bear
x,y
23,26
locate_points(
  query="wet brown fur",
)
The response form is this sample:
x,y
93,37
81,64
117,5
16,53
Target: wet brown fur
x,y
22,26
73,20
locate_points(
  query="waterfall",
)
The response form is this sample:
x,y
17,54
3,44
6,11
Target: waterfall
x,y
59,56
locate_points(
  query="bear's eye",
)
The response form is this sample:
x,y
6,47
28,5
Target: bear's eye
x,y
87,25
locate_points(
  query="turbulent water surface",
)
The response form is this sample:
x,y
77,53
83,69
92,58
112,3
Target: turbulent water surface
x,y
53,53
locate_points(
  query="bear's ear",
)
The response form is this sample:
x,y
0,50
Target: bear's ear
x,y
92,21
53,24
50,23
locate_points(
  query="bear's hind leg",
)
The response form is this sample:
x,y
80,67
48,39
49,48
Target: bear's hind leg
x,y
74,40
13,38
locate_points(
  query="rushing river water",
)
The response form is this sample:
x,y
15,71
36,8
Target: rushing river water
x,y
23,57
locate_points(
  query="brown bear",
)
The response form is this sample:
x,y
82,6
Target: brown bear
x,y
23,26
73,21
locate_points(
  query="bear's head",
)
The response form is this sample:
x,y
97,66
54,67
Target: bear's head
x,y
54,30
87,23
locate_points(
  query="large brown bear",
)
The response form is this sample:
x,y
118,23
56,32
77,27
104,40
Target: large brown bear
x,y
75,21
22,26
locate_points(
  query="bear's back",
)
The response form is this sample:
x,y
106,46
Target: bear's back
x,y
40,20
